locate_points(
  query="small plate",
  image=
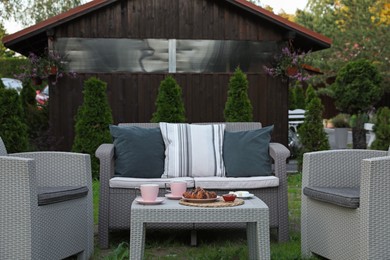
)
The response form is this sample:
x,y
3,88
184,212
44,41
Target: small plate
x,y
170,196
159,200
250,195
201,200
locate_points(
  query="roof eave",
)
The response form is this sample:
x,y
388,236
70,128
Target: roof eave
x,y
54,21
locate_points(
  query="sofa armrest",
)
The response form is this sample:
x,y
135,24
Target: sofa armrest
x,y
335,168
279,153
105,154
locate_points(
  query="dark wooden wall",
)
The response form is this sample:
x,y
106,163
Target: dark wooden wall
x,y
132,98
171,19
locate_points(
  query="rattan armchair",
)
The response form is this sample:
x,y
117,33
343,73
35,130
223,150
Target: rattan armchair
x,y
46,207
349,216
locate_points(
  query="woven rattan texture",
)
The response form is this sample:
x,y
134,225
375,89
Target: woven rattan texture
x,y
336,232
254,213
114,216
55,231
215,204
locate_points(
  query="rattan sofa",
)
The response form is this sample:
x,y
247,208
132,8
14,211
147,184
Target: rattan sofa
x,y
346,204
114,205
46,207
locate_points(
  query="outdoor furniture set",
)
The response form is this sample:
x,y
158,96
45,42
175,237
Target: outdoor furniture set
x,y
346,204
221,157
46,209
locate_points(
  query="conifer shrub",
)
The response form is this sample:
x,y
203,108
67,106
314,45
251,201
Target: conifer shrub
x,y
311,133
37,119
169,102
92,121
382,130
13,129
299,97
357,88
238,107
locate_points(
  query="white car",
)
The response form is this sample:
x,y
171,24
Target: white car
x,y
13,84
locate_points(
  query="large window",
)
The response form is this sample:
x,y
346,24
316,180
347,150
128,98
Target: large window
x,y
164,55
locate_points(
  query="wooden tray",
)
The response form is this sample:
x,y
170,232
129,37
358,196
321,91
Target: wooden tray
x,y
218,203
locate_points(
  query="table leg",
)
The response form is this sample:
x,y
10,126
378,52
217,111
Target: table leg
x,y
137,240
258,240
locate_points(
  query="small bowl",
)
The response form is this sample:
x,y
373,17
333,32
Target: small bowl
x,y
229,197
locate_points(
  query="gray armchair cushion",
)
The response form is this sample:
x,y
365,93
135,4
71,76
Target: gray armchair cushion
x,y
139,152
50,195
246,153
341,196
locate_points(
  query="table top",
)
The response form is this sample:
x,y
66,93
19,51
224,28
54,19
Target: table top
x,y
169,204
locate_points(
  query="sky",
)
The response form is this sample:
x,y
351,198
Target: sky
x,y
289,6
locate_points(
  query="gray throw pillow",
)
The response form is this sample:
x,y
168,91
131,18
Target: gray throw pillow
x,y
139,152
245,153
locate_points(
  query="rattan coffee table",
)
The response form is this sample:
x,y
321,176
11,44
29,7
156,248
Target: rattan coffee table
x,y
254,212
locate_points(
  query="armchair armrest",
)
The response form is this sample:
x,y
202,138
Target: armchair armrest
x,y
60,168
335,168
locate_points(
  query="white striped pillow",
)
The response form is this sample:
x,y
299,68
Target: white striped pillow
x,y
193,150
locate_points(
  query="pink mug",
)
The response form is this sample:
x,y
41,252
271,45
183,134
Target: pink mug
x,y
149,192
178,188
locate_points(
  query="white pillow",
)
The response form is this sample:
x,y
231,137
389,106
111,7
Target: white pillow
x,y
193,150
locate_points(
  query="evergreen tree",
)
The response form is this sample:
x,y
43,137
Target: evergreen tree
x,y
311,133
291,99
169,103
382,130
13,129
299,97
357,88
36,119
238,107
92,121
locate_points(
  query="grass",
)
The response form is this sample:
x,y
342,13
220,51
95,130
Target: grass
x,y
212,245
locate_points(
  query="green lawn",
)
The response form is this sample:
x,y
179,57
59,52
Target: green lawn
x,y
211,245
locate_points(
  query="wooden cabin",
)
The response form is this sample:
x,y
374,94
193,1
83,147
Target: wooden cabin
x,y
133,44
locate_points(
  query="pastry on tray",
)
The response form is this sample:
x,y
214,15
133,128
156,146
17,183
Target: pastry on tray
x,y
199,193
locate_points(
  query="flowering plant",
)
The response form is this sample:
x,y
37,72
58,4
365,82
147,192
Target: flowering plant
x,y
289,63
51,66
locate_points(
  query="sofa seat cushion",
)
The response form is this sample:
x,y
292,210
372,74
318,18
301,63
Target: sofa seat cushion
x,y
342,196
242,183
131,183
51,195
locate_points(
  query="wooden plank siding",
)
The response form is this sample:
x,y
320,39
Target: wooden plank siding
x,y
132,96
171,19
132,99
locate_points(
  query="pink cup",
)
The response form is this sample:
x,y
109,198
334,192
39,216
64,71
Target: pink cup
x,y
178,188
149,192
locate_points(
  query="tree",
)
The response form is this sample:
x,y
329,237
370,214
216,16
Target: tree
x,y
359,29
37,119
4,52
29,12
382,130
13,129
169,103
238,107
356,90
92,121
311,133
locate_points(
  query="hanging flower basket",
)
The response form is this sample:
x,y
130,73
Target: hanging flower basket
x,y
53,70
292,71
